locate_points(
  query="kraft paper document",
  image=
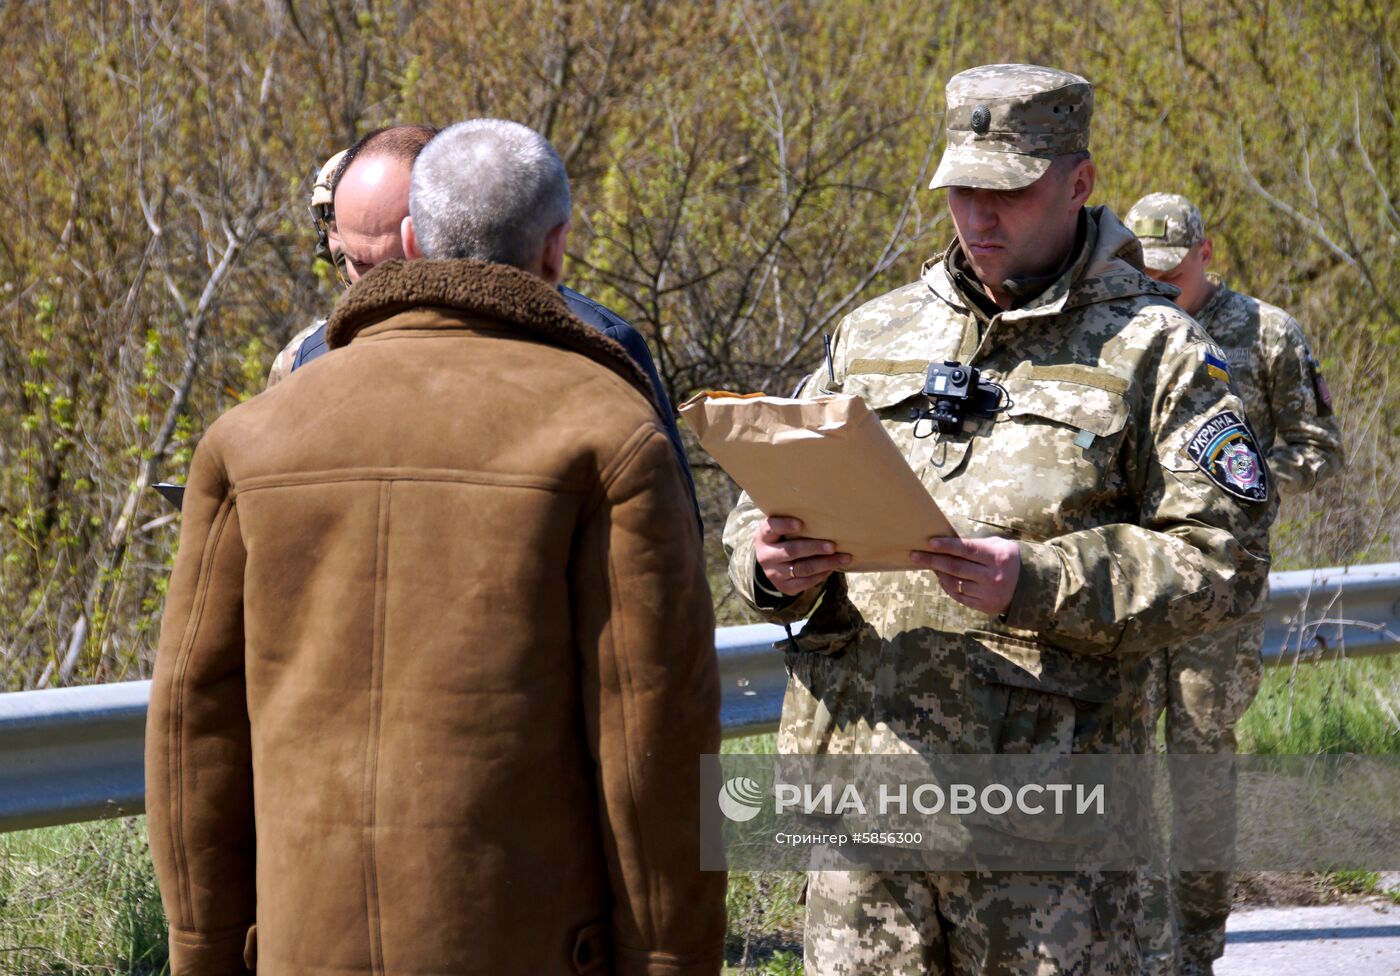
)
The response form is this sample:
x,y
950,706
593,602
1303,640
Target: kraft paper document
x,y
826,461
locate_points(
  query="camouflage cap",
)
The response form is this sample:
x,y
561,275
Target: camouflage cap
x,y
1167,224
1008,122
323,216
322,191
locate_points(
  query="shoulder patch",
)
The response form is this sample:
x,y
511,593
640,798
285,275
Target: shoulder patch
x,y
1217,367
1225,450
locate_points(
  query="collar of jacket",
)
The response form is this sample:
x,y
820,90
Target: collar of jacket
x,y
1108,266
512,300
1218,299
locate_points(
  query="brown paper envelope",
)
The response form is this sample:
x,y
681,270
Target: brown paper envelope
x,y
826,461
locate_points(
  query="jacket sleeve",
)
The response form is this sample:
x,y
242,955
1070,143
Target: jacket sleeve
x,y
1195,556
631,340
650,687
1307,445
616,328
293,354
199,783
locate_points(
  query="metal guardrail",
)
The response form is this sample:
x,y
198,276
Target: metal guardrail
x,y
1313,613
1346,611
74,754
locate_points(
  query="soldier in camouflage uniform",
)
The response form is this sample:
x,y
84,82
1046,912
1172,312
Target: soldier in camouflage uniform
x,y
327,249
1206,684
370,180
1094,524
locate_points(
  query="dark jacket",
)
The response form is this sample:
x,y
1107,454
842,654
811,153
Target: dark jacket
x,y
437,661
606,321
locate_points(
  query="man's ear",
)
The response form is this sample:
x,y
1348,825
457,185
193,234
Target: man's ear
x,y
552,259
1207,251
1082,183
409,239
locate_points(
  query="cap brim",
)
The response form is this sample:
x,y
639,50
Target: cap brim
x,y
986,169
1163,258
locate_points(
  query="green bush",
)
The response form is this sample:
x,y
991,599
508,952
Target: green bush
x,y
80,900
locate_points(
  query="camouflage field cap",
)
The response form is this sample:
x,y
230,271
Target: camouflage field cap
x,y
323,217
322,191
1167,224
1007,123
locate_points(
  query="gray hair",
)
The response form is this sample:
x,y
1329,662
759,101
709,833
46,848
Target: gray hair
x,y
488,189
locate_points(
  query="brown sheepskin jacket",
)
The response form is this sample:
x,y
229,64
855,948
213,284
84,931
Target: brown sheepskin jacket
x,y
437,661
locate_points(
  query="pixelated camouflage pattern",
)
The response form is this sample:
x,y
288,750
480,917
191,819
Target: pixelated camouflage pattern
x,y
988,924
1157,928
1204,686
1167,224
1126,545
282,364
1007,122
1277,376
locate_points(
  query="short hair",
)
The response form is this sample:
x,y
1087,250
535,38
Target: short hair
x,y
1067,163
488,189
401,142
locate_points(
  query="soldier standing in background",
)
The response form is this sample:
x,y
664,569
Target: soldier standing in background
x,y
360,203
1205,685
373,206
1092,531
327,249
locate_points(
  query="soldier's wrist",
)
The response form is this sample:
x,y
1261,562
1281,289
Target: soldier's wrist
x,y
766,595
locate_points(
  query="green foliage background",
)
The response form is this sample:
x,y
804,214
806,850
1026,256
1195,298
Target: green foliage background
x,y
745,171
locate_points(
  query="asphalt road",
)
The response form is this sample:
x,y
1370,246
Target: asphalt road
x,y
1347,940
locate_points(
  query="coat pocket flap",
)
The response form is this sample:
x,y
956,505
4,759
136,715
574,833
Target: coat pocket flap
x,y
1000,659
885,383
1083,397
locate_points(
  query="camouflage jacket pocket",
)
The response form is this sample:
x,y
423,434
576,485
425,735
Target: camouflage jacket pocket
x,y
1086,398
1050,462
883,384
1006,660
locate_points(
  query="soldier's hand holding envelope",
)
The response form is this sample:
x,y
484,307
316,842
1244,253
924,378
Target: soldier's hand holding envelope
x,y
828,463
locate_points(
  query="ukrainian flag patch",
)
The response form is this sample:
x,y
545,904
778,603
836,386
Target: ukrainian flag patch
x,y
1217,367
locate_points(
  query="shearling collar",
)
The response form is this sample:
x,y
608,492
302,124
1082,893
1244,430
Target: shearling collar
x,y
476,289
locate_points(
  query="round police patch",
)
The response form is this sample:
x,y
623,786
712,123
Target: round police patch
x,y
981,119
1225,450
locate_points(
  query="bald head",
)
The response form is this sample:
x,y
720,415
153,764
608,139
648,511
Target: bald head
x,y
371,195
371,202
